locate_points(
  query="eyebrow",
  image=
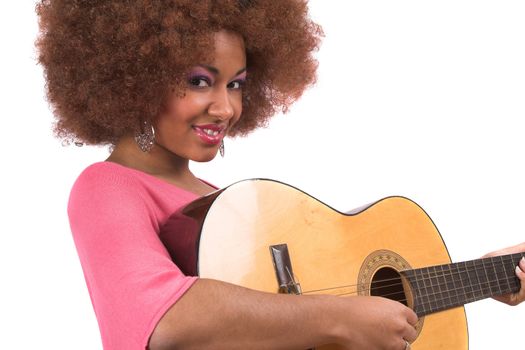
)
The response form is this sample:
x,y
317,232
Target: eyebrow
x,y
216,71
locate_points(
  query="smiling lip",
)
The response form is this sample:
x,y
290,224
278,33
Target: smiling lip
x,y
211,134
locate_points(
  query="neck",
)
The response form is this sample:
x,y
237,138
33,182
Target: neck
x,y
443,287
158,162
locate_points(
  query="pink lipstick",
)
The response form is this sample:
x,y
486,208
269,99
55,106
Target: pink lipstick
x,y
211,134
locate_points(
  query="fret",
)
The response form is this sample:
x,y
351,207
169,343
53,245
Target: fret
x,y
497,278
464,280
424,300
453,287
492,277
428,289
511,270
410,275
424,292
477,292
510,266
501,272
434,286
458,282
445,286
483,277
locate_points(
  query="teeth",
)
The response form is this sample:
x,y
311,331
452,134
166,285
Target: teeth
x,y
211,132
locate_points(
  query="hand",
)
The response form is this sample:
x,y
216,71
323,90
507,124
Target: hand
x,y
376,323
513,298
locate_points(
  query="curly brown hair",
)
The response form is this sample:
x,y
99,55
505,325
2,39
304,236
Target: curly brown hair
x,y
111,64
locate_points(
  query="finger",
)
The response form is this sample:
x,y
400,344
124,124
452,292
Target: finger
x,y
408,345
520,271
410,334
412,317
405,345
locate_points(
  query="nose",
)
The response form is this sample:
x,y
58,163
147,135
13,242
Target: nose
x,y
221,105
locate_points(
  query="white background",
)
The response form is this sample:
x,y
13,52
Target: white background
x,y
414,98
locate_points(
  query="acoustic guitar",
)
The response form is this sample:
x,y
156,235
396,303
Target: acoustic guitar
x,y
269,236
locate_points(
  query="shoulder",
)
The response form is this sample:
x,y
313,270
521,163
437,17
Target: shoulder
x,y
106,178
105,173
106,184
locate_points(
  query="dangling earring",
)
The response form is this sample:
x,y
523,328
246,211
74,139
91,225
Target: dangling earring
x,y
146,138
221,148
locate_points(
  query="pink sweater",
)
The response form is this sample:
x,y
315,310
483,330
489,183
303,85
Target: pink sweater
x,y
115,214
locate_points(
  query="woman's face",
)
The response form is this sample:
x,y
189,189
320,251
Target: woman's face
x,y
194,125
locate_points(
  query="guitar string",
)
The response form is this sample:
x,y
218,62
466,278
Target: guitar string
x,y
445,285
427,278
405,300
448,291
441,303
479,266
465,292
436,274
438,286
397,279
444,301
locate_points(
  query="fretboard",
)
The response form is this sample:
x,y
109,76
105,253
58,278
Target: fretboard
x,y
442,287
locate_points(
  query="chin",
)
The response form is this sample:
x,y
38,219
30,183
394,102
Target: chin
x,y
204,158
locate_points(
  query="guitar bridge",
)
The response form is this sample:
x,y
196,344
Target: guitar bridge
x,y
283,270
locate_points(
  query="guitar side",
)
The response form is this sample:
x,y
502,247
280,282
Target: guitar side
x,y
327,248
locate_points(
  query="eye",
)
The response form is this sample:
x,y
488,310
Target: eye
x,y
199,81
236,84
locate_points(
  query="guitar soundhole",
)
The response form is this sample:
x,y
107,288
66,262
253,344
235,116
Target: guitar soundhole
x,y
387,283
379,276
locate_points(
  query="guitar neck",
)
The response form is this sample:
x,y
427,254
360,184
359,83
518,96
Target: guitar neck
x,y
442,287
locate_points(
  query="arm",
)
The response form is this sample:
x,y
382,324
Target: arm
x,y
218,315
131,279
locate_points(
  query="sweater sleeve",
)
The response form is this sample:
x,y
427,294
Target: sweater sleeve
x,y
131,279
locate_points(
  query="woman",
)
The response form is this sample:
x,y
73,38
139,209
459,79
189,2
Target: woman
x,y
162,83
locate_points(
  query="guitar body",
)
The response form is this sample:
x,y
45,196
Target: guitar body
x,y
327,248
